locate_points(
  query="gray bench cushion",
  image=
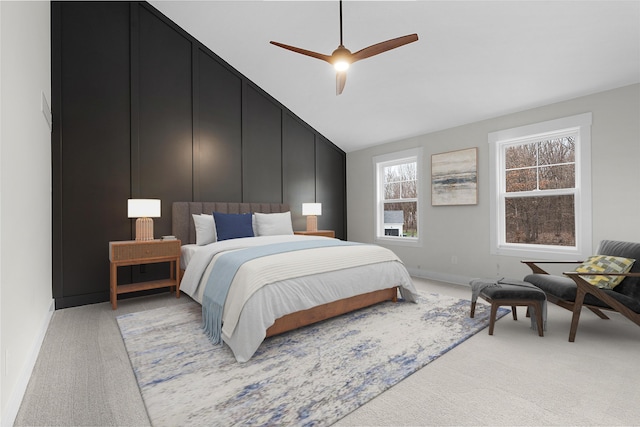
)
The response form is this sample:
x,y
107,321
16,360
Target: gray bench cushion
x,y
513,292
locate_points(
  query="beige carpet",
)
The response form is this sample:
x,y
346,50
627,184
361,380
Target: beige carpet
x,y
83,376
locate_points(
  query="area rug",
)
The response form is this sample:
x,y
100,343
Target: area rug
x,y
309,377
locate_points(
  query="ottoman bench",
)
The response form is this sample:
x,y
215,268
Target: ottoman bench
x,y
509,292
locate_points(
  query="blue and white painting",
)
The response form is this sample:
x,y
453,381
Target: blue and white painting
x,y
454,178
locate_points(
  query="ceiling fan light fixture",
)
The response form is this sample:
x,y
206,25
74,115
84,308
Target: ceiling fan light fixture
x,y
341,58
341,65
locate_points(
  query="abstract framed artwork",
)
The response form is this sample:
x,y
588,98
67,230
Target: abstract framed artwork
x,y
454,178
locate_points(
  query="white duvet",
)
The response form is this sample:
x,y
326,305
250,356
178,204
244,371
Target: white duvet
x,y
246,318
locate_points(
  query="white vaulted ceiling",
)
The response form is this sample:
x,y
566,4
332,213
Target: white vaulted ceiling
x,y
474,60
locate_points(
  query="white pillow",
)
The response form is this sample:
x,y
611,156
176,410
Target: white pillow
x,y
205,229
273,224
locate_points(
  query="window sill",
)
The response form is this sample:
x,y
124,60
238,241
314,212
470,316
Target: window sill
x,y
399,241
535,252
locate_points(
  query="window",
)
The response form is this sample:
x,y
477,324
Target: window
x,y
397,196
541,189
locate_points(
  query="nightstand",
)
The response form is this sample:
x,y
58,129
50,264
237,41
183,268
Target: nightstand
x,y
132,252
325,233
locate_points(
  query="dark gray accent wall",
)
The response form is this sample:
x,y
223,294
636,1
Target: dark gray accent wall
x,y
261,148
142,109
217,154
165,131
299,168
94,146
331,185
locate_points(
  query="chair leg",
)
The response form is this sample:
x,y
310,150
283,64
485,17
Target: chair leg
x,y
539,322
514,312
492,319
577,308
473,309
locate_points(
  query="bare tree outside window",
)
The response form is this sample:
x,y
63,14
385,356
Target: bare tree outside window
x,y
531,170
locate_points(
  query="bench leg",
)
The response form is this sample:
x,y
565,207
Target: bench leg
x,y
514,312
492,319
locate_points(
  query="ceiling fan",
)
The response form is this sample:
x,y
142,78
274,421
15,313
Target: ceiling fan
x,y
342,58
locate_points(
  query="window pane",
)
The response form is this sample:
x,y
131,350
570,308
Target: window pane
x,y
392,173
408,171
409,190
400,219
552,177
392,191
521,156
540,220
521,180
400,181
556,151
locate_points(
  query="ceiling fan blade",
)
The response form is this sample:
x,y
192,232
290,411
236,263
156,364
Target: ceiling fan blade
x,y
341,79
377,48
303,51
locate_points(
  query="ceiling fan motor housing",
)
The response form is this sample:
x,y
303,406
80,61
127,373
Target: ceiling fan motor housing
x,y
341,58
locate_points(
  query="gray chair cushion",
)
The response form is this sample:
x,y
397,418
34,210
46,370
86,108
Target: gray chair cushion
x,y
565,289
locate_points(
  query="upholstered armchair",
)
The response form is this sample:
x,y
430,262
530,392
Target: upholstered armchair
x,y
574,291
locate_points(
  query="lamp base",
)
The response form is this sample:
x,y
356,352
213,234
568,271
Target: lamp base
x,y
144,229
312,223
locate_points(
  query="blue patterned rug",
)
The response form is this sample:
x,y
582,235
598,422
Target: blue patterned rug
x,y
313,376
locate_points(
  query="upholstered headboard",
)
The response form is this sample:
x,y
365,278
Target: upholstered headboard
x,y
182,222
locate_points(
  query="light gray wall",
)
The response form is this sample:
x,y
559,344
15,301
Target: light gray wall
x,y
463,231
26,301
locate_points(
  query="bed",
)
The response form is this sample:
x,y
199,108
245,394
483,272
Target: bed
x,y
278,291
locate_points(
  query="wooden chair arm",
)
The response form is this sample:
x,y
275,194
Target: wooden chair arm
x,y
536,269
593,273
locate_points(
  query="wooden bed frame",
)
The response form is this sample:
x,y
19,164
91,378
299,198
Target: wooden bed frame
x,y
184,230
302,318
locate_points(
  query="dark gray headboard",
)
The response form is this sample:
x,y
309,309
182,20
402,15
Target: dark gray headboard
x,y
182,222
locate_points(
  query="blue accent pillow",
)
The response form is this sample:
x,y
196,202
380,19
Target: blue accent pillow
x,y
233,226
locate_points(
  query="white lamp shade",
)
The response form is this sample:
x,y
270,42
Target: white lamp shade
x,y
312,209
143,208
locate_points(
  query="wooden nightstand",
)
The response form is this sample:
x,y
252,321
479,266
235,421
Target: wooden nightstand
x,y
134,252
325,233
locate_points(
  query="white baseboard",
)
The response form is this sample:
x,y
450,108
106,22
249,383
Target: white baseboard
x,y
13,404
440,277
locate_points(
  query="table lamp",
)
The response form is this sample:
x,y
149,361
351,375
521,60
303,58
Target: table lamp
x,y
311,210
144,210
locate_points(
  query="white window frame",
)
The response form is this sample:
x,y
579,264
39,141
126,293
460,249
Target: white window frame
x,y
379,163
581,125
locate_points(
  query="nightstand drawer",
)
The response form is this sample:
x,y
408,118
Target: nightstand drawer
x,y
121,251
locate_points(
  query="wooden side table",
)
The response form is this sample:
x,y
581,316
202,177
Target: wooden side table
x,y
132,252
325,233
